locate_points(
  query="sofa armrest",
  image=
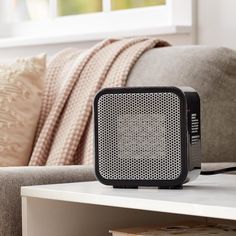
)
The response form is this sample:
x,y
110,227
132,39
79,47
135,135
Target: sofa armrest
x,y
11,180
218,165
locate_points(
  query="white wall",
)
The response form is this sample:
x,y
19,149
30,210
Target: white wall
x,y
217,22
50,49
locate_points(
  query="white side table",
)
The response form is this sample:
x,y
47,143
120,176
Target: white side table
x,y
90,208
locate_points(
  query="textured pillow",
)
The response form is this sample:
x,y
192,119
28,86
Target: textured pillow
x,y
212,72
21,84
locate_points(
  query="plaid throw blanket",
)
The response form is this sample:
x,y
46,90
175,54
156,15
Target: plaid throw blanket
x,y
65,130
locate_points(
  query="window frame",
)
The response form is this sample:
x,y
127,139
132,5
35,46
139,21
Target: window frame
x,y
172,18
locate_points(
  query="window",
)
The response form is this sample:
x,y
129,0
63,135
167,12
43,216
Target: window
x,y
27,10
129,4
74,7
92,19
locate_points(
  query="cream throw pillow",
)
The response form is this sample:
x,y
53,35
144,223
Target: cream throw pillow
x,y
21,84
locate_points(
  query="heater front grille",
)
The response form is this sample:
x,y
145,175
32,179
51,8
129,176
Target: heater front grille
x,y
139,136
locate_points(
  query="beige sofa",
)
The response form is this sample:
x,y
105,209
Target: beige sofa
x,y
210,70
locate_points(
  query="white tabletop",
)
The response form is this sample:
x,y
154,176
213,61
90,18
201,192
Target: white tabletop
x,y
208,196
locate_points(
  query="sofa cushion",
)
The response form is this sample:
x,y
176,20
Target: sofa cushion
x,y
12,178
21,84
212,72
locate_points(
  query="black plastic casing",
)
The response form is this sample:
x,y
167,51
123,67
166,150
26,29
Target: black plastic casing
x,y
190,139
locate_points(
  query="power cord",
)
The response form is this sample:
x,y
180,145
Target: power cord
x,y
220,171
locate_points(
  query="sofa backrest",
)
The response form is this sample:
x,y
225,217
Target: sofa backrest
x,y
212,72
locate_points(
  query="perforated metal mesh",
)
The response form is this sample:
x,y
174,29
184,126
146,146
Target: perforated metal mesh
x,y
139,136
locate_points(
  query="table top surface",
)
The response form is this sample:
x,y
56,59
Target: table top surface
x,y
208,196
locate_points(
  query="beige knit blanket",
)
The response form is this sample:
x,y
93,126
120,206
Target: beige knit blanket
x,y
65,130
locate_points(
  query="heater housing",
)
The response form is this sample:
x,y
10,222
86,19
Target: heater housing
x,y
147,136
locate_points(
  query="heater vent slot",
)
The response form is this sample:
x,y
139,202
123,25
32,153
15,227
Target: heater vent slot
x,y
194,140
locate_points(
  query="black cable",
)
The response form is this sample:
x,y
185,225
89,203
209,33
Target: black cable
x,y
220,171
